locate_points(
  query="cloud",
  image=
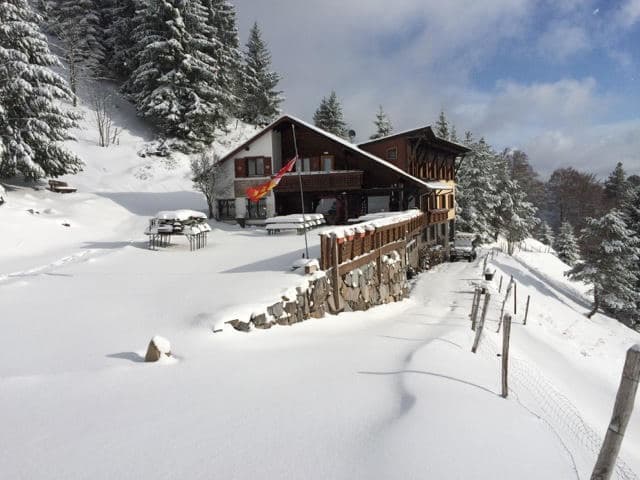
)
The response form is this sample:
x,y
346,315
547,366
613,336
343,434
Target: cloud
x,y
417,57
562,41
629,13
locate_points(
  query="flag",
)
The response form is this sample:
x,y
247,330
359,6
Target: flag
x,y
256,193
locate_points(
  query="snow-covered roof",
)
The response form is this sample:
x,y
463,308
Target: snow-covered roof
x,y
439,186
351,146
372,221
459,146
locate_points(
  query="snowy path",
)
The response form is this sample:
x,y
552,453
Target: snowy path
x,y
390,393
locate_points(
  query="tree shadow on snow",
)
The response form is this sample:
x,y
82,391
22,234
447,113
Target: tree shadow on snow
x,y
274,264
115,245
149,203
131,356
432,374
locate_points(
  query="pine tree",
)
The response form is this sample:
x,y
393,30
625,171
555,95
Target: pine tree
x,y
383,125
453,136
609,249
122,17
546,234
175,84
32,121
514,216
477,190
442,127
260,99
631,211
616,186
329,116
221,17
77,24
566,245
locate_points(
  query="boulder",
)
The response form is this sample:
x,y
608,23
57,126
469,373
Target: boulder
x,y
158,347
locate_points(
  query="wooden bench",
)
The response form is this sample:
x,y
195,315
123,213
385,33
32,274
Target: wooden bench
x,y
60,187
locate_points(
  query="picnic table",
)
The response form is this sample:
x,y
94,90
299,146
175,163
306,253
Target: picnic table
x,y
295,222
190,223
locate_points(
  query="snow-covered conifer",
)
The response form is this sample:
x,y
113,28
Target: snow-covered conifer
x,y
476,190
329,116
221,17
515,216
616,186
546,233
566,245
442,126
383,125
122,17
609,249
77,24
175,83
32,119
453,135
260,101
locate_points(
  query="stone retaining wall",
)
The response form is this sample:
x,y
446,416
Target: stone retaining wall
x,y
360,289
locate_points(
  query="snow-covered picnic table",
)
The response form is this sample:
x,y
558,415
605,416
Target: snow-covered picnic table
x,y
190,223
296,222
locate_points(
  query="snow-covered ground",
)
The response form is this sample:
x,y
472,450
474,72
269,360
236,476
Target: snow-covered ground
x,y
393,392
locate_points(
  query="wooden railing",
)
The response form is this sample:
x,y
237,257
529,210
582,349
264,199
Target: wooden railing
x,y
354,251
337,180
437,216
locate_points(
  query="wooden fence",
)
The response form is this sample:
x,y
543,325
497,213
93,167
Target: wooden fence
x,y
351,252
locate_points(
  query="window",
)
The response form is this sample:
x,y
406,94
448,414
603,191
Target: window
x,y
255,167
326,162
303,165
257,210
227,209
392,154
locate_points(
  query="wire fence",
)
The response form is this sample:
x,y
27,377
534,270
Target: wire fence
x,y
538,395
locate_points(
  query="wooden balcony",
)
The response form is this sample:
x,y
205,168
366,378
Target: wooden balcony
x,y
437,215
333,181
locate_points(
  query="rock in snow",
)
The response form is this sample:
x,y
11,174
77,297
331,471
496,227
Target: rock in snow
x,y
158,346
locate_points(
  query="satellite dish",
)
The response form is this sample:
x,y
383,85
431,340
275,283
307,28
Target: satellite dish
x,y
352,134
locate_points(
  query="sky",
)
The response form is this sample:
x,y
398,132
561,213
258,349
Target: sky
x,y
559,80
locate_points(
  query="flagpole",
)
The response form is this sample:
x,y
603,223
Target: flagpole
x,y
304,219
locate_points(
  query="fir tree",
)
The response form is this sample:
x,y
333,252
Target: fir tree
x,y
546,234
174,84
616,187
77,24
329,116
566,245
442,127
514,216
383,125
477,190
120,38
453,136
221,17
609,249
260,99
32,121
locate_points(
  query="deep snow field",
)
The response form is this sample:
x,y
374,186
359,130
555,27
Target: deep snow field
x,y
393,392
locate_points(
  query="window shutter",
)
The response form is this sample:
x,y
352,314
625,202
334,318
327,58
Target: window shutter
x,y
315,164
267,167
241,168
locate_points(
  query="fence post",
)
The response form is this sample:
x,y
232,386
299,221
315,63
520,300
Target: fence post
x,y
475,307
476,340
506,334
606,463
504,303
335,277
526,310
